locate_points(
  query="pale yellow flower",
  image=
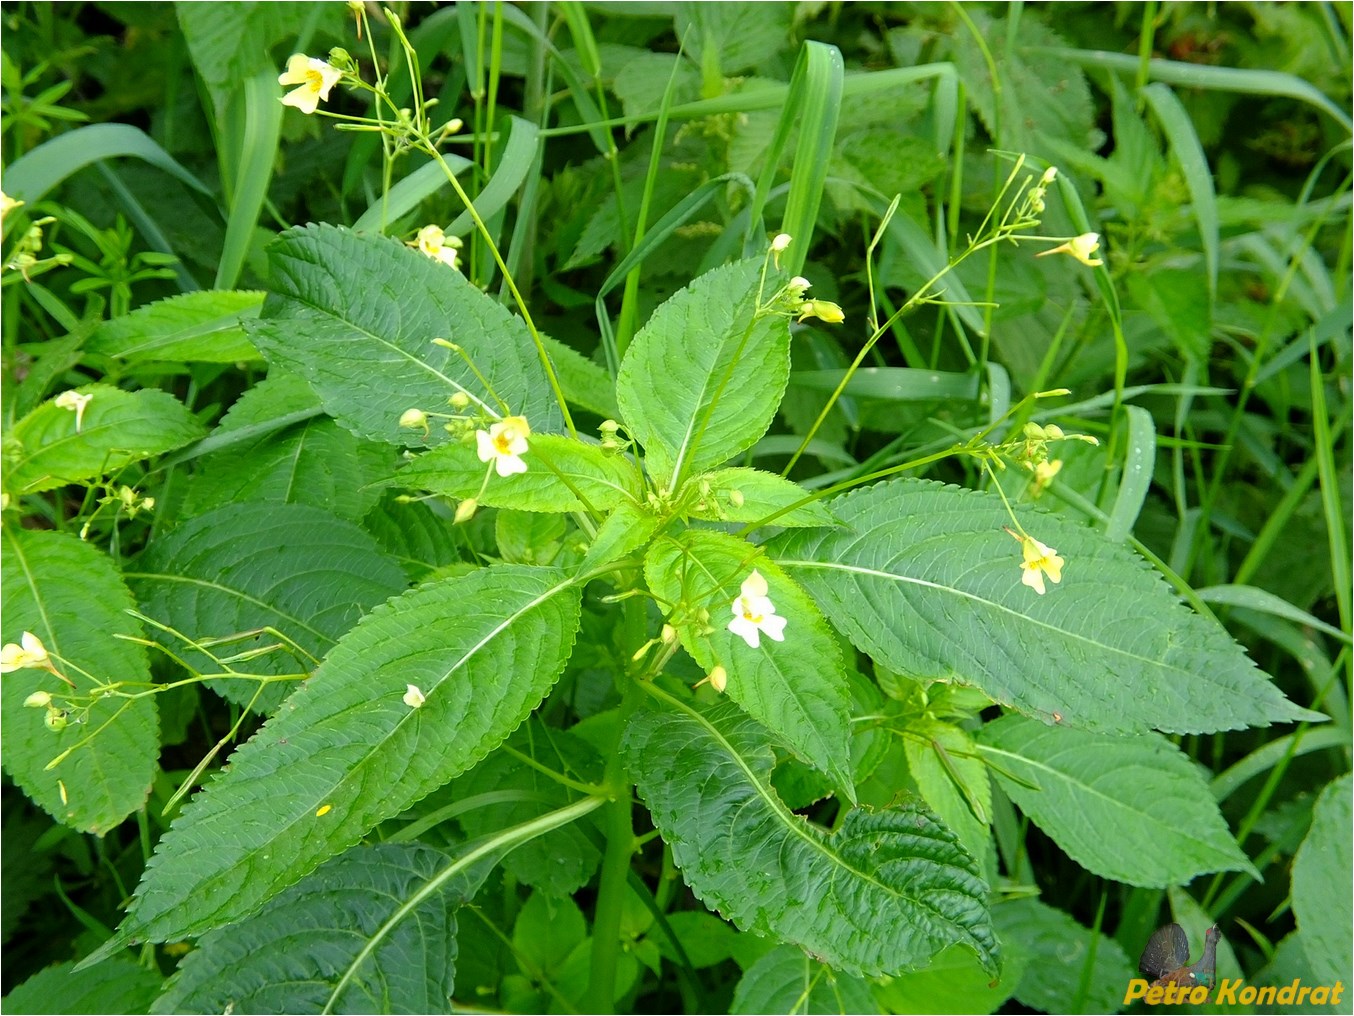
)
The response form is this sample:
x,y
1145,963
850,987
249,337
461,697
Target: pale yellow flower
x,y
437,245
1040,560
504,444
413,698
28,652
8,204
824,310
314,79
76,403
1080,247
754,613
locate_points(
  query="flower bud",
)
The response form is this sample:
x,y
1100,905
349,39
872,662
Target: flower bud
x,y
414,419
719,679
38,700
465,511
459,400
55,720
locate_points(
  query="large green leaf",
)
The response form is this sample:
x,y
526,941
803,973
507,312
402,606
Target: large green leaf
x,y
336,922
798,687
204,327
356,316
115,985
787,981
71,596
702,379
921,576
313,461
740,494
956,982
1134,809
952,779
298,569
1321,873
563,475
346,752
116,428
886,891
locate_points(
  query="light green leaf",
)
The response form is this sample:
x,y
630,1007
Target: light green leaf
x,y
69,594
563,475
356,315
787,981
295,568
797,687
956,982
884,892
952,779
204,327
115,985
624,531
293,953
1321,871
529,537
702,379
705,938
740,494
583,382
1058,949
1134,809
314,462
922,577
346,752
115,429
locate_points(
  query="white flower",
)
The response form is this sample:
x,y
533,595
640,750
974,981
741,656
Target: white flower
x,y
75,402
754,613
413,698
28,652
504,443
314,77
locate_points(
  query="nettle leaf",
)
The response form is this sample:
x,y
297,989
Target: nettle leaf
x,y
345,752
203,327
116,428
356,315
702,379
798,687
740,494
416,536
1058,949
563,475
787,981
886,891
955,982
1321,870
292,955
922,577
295,568
311,461
115,985
953,781
624,531
1134,809
70,595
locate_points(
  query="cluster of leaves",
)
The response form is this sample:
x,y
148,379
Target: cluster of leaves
x,y
490,735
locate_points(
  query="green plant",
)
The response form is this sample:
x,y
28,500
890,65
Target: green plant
x,y
768,647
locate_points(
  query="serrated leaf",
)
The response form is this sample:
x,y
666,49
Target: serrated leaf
x,y
922,577
529,537
562,860
115,985
115,429
952,779
1057,949
202,327
702,379
886,891
1321,870
787,981
955,982
414,535
71,596
313,461
292,954
583,382
295,568
624,531
1134,809
355,315
740,494
345,752
798,687
563,475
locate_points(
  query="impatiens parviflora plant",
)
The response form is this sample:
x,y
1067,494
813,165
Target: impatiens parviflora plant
x,y
766,651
